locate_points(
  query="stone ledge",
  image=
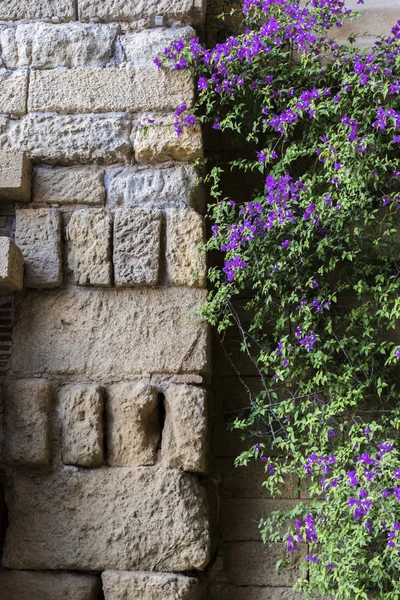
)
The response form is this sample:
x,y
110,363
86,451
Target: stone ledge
x,y
15,176
11,266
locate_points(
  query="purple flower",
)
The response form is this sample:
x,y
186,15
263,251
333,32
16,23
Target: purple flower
x,y
330,566
331,433
286,244
202,83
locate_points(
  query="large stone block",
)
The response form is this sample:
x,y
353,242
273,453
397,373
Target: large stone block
x,y
89,254
122,585
13,93
185,263
82,425
172,11
44,585
143,519
15,176
133,425
69,139
184,440
11,266
142,47
160,143
27,404
107,333
38,235
136,246
69,185
46,46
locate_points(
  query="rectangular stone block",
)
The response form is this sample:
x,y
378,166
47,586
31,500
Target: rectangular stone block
x,y
46,46
142,47
82,425
143,519
136,246
106,333
122,585
11,266
69,185
13,93
27,405
185,263
160,142
184,439
15,176
89,253
172,11
44,585
133,425
68,139
38,235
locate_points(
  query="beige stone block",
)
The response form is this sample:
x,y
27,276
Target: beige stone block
x,y
13,93
136,246
11,266
27,404
45,585
185,263
46,46
69,185
184,439
82,425
172,11
142,47
38,235
133,425
224,591
164,90
122,585
15,176
68,139
89,254
160,143
143,519
107,333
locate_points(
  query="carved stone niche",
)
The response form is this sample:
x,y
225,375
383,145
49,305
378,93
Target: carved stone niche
x,y
15,177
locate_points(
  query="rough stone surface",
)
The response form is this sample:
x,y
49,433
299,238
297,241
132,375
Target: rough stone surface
x,y
136,246
163,90
160,143
185,264
38,235
13,93
173,11
142,519
44,585
176,186
68,139
15,176
110,332
233,592
27,404
119,585
11,266
142,47
184,440
133,427
82,425
46,46
89,237
64,185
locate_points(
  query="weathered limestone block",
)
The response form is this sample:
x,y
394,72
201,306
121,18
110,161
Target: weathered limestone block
x,y
106,333
184,440
143,519
185,263
11,266
27,404
46,46
14,10
38,235
160,90
136,246
142,47
13,93
89,255
69,139
133,428
65,185
160,143
173,11
122,585
15,176
176,186
44,585
82,425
